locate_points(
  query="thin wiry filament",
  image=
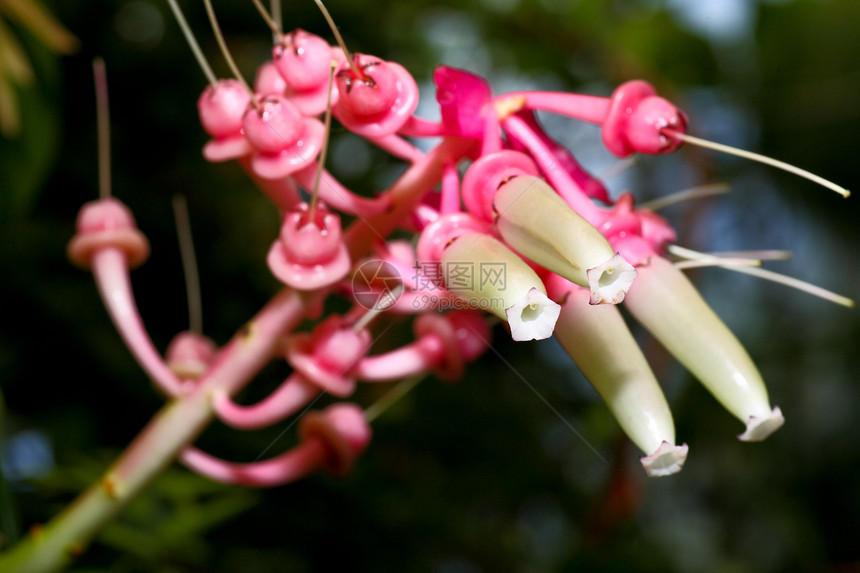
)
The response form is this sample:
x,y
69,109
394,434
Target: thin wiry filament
x,y
192,43
756,157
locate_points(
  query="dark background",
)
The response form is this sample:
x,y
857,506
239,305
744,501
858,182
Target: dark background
x,y
479,475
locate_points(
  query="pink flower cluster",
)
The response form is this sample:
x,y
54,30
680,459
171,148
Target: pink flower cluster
x,y
507,223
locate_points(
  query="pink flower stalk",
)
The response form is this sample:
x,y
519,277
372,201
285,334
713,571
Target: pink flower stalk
x,y
109,243
443,344
331,440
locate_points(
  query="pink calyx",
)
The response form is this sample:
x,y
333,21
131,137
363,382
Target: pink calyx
x,y
635,233
221,109
104,224
189,355
327,357
438,234
379,101
636,118
304,61
487,174
284,141
309,252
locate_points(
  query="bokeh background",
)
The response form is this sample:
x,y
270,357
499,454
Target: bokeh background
x,y
478,475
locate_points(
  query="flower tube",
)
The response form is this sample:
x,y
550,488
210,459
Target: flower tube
x,y
669,306
534,220
598,340
489,276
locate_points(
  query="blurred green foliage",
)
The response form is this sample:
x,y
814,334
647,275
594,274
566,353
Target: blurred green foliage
x,y
479,475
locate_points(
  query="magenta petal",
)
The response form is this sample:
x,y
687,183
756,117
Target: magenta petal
x,y
461,97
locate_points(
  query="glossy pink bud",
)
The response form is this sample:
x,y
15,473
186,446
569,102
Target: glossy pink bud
x,y
310,252
379,101
274,125
285,140
303,60
636,118
221,109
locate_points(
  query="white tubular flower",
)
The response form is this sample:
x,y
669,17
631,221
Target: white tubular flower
x,y
598,340
534,220
669,306
486,274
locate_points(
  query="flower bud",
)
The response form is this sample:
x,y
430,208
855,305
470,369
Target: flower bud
x,y
489,276
598,340
534,220
669,306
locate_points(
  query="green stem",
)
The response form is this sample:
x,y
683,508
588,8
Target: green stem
x,y
53,546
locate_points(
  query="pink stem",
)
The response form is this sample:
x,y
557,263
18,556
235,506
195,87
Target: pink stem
x,y
423,300
287,399
398,147
492,140
405,195
110,270
417,127
552,169
287,467
336,195
450,190
282,192
415,358
592,109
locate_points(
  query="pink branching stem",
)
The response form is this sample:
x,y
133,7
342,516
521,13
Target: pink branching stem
x,y
110,270
292,395
405,195
423,300
175,426
592,109
417,127
415,358
492,140
398,147
287,467
450,189
557,175
282,192
336,195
